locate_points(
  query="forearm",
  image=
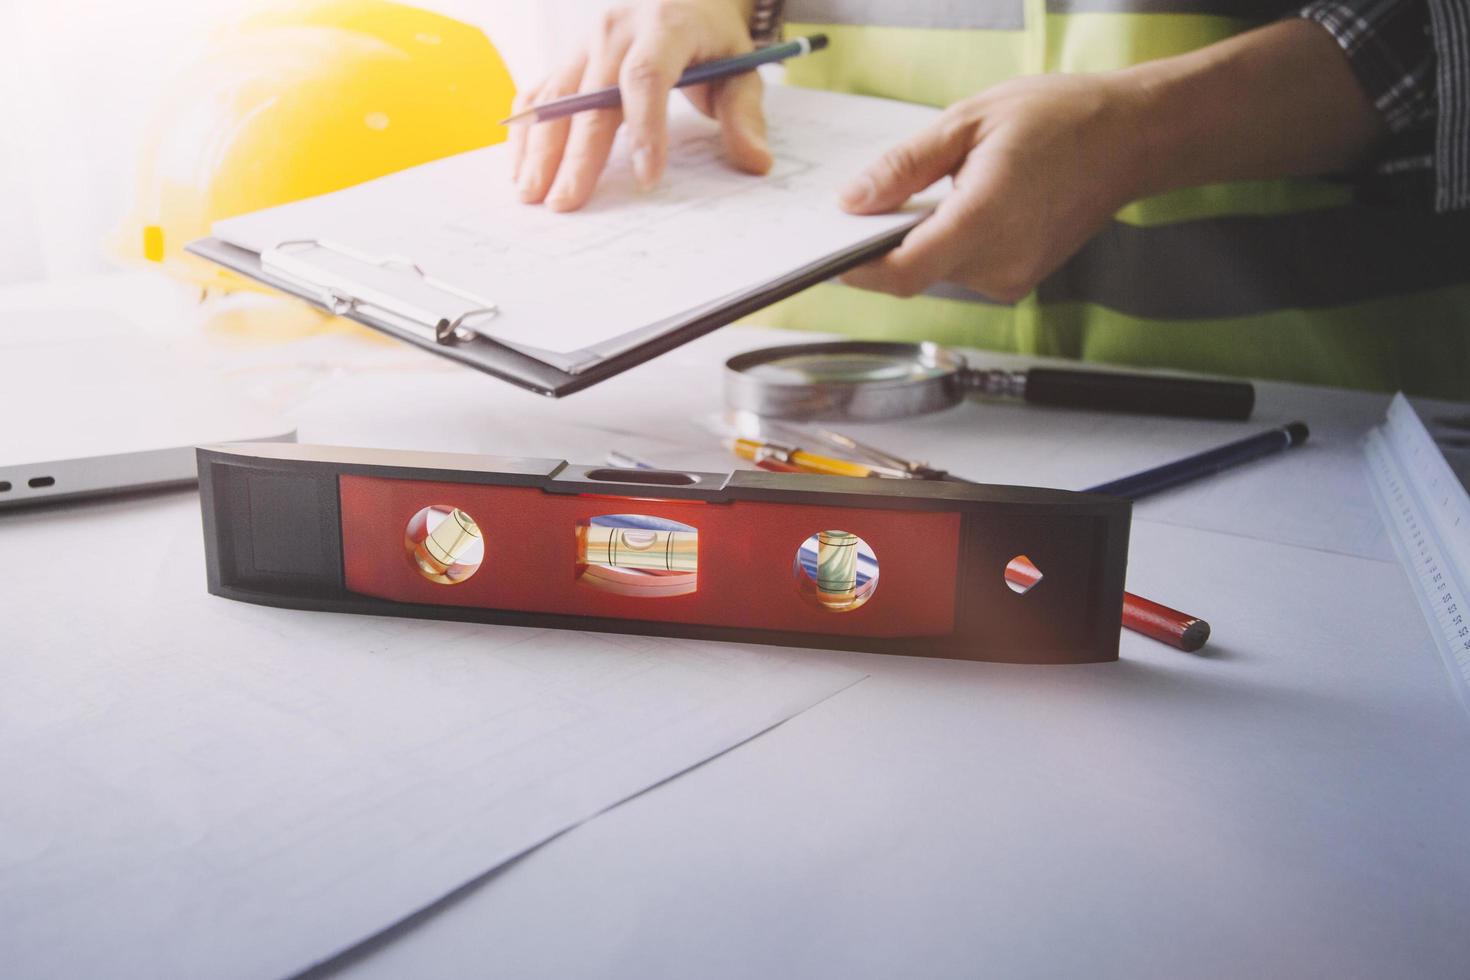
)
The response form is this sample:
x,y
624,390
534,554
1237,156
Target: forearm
x,y
1277,101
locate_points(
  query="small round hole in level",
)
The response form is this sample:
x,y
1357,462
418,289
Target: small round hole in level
x,y
444,544
836,570
1022,575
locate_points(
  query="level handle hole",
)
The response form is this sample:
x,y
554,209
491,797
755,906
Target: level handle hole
x,y
653,478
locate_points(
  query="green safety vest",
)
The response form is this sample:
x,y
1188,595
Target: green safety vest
x,y
1289,279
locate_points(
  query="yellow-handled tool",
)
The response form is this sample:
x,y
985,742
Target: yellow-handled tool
x,y
791,458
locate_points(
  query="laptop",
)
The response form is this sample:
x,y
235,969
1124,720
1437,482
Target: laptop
x,y
90,406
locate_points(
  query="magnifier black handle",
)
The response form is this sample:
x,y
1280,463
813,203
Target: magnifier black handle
x,y
1145,394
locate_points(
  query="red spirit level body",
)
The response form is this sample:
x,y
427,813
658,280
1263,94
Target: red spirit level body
x,y
535,542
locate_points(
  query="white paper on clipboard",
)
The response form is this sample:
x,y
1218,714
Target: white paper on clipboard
x,y
572,289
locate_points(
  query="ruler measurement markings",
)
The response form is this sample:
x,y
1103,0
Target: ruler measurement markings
x,y
1425,513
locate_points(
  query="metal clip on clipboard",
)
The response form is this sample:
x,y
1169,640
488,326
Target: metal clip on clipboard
x,y
393,289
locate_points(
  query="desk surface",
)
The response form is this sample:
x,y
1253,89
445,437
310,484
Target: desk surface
x,y
1291,803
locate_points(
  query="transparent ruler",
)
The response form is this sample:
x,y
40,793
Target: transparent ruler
x,y
1428,516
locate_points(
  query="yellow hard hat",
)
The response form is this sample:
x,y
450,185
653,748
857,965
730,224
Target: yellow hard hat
x,y
303,99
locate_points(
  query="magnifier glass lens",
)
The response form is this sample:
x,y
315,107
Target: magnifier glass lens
x,y
856,380
845,368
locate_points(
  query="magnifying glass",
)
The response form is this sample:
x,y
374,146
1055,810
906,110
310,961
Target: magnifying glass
x,y
858,380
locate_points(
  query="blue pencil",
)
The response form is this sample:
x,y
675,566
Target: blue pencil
x,y
627,461
711,71
1203,464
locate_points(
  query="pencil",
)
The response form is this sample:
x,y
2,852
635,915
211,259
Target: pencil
x,y
1153,619
711,71
627,461
1179,629
1206,463
799,460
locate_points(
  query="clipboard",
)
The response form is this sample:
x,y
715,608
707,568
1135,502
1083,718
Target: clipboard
x,y
400,298
445,256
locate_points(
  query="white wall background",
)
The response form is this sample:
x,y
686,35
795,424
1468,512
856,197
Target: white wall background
x,y
78,82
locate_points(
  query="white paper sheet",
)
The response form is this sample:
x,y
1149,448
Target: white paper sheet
x,y
1289,803
193,787
569,282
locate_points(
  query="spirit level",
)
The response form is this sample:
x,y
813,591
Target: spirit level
x,y
891,566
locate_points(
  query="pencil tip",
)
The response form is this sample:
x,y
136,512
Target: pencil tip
x,y
519,117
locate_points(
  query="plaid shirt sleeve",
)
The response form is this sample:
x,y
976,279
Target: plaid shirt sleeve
x,y
1412,58
1388,45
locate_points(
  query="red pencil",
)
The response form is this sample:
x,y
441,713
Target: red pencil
x,y
1180,630
1166,625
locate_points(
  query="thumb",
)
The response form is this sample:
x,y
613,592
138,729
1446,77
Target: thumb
x,y
907,169
737,105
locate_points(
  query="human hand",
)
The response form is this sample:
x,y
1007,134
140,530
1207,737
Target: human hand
x,y
642,47
1039,164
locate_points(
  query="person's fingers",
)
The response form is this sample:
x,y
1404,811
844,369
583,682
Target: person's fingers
x,y
737,105
935,248
523,101
652,66
591,137
546,141
909,167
